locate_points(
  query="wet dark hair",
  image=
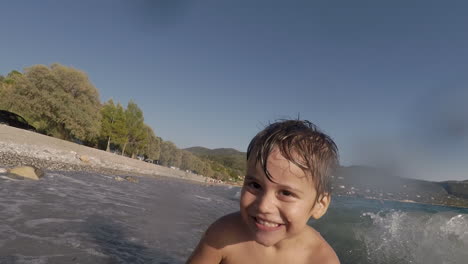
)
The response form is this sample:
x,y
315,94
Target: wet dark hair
x,y
302,143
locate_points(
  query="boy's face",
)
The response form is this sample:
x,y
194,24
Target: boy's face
x,y
279,210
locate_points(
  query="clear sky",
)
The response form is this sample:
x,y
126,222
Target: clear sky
x,y
386,79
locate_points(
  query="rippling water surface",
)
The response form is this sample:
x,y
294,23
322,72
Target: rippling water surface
x,y
88,218
371,231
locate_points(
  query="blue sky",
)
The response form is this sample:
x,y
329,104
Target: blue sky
x,y
386,79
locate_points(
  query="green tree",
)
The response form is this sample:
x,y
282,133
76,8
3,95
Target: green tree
x,y
113,125
9,96
136,136
14,73
169,154
187,160
152,150
11,77
60,101
206,169
2,88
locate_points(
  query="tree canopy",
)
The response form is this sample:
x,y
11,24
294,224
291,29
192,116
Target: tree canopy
x,y
113,125
58,100
136,135
152,150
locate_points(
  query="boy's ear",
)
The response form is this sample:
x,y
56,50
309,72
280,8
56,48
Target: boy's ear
x,y
321,206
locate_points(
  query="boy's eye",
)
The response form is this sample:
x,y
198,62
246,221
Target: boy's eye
x,y
254,185
286,193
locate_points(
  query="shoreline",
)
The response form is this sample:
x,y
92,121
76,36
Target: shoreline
x,y
21,148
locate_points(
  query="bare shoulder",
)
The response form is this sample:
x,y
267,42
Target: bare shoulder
x,y
227,228
322,251
224,232
327,255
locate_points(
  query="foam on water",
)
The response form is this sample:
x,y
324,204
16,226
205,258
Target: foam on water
x,y
203,198
415,237
36,222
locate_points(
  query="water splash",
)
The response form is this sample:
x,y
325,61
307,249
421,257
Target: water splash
x,y
414,237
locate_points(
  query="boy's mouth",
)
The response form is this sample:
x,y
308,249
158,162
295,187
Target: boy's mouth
x,y
266,225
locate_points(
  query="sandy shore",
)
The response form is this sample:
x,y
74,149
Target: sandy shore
x,y
21,147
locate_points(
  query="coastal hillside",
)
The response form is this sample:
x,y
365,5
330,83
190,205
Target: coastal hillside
x,y
374,183
232,159
217,151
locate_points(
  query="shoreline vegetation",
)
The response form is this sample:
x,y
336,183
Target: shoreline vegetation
x,y
64,105
61,102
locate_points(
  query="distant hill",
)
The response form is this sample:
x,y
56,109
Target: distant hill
x,y
228,157
368,182
218,151
456,188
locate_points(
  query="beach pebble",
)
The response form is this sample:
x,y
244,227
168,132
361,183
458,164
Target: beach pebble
x,y
131,179
27,172
83,158
118,178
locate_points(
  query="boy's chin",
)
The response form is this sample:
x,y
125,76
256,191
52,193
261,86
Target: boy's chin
x,y
266,241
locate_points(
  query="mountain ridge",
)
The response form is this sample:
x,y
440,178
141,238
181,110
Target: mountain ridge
x,y
216,151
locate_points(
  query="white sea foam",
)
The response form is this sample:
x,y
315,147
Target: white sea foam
x,y
71,179
458,226
203,198
36,222
416,237
7,178
29,259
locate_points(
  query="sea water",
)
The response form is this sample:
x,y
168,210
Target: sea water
x,y
76,217
384,232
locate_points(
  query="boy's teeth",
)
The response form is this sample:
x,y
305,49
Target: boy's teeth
x,y
265,223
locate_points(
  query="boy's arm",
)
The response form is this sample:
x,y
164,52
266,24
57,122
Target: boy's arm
x,y
206,251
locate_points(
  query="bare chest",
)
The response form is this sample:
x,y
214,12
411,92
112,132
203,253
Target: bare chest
x,y
255,256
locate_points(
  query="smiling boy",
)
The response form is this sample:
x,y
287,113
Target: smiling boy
x,y
289,164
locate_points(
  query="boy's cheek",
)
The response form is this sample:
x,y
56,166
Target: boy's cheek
x,y
246,199
245,191
243,195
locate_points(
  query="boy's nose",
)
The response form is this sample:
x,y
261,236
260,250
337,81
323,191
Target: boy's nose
x,y
265,204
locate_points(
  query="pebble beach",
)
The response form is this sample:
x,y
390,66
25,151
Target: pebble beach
x,y
19,147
